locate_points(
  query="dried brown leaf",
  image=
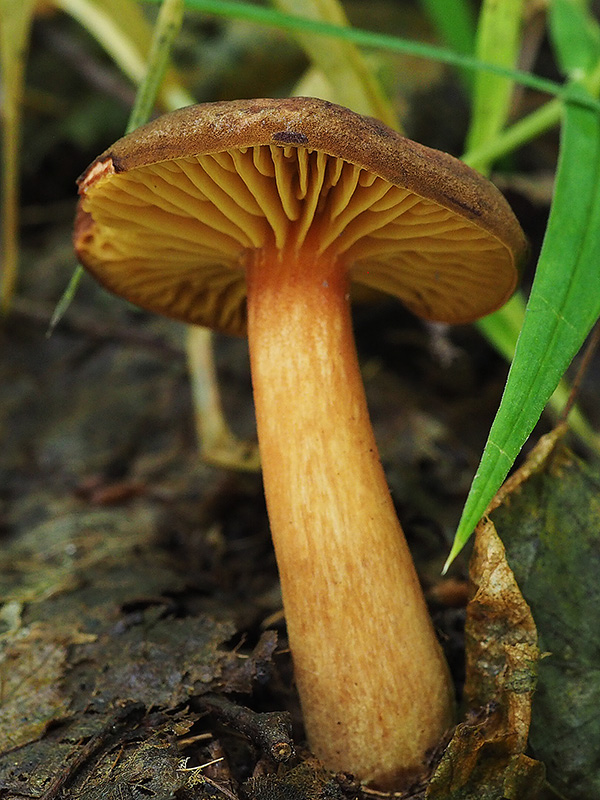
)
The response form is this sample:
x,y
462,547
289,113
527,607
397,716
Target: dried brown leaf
x,y
485,758
32,663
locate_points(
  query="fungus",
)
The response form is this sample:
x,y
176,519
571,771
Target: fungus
x,y
256,215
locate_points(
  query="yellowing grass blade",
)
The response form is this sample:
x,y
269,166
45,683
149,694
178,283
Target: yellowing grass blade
x,y
340,61
15,22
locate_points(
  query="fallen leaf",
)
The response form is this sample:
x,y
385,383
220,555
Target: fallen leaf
x,y
32,664
485,759
550,529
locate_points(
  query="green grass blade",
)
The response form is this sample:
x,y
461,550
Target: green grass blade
x,y
563,306
168,25
455,23
527,128
575,37
65,299
516,135
498,41
502,329
131,43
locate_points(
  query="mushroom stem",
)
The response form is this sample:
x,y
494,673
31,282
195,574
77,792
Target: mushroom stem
x,y
373,684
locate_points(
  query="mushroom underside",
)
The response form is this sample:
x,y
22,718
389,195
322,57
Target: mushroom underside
x,y
173,236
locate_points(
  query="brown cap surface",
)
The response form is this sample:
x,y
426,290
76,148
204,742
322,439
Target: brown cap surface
x,y
168,213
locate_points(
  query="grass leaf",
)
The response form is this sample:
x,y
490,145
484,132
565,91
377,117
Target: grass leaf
x,y
166,29
575,37
563,306
455,22
498,41
15,22
502,329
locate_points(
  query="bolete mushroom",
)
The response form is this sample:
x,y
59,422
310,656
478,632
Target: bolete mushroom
x,y
257,215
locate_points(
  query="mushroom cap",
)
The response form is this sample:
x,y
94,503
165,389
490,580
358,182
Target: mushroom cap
x,y
168,215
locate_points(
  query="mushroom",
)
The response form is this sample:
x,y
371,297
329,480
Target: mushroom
x,y
257,215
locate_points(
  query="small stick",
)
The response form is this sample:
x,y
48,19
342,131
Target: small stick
x,y
270,730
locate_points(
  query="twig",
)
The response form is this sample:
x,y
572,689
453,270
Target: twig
x,y
271,730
